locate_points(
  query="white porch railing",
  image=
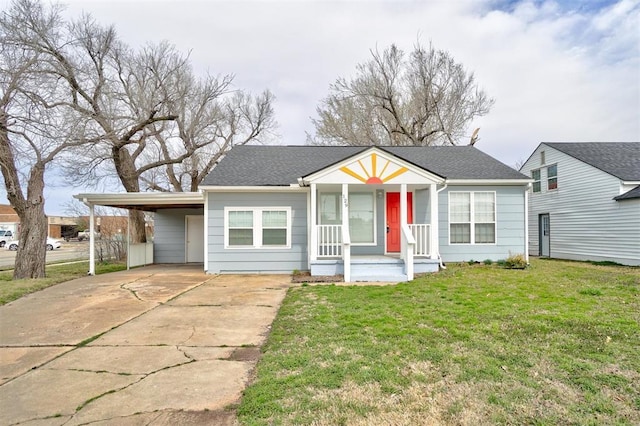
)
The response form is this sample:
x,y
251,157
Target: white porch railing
x,y
407,250
329,240
422,234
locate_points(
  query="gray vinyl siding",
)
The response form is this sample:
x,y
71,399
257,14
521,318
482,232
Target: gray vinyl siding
x,y
585,222
272,260
169,234
421,211
510,226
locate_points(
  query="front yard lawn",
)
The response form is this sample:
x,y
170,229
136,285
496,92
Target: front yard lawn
x,y
56,273
557,343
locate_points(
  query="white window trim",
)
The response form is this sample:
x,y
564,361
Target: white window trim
x,y
536,181
257,228
552,177
375,215
472,222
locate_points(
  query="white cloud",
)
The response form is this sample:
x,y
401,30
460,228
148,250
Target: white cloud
x,y
559,71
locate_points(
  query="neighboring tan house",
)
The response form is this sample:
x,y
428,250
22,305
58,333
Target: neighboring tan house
x,y
369,213
585,201
9,220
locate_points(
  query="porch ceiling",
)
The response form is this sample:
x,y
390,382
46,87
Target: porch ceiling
x,y
146,201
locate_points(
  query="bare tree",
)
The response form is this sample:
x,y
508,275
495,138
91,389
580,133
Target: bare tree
x,y
35,125
424,99
210,122
113,94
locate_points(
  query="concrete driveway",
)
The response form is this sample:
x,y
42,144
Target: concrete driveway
x,y
154,345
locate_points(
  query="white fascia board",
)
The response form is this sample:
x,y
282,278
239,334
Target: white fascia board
x,y
631,182
292,188
364,154
142,198
478,182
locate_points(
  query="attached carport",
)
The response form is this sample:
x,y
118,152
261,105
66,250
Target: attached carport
x,y
188,206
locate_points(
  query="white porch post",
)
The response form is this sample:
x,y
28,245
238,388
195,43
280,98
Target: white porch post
x,y
346,245
92,240
434,247
403,220
313,219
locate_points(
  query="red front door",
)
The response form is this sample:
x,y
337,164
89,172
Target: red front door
x,y
393,219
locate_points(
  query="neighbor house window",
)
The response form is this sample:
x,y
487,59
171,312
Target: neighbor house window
x,y
535,175
257,227
361,214
552,177
472,217
542,159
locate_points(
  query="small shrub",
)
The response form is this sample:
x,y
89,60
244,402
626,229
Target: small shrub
x,y
472,262
515,261
488,262
295,272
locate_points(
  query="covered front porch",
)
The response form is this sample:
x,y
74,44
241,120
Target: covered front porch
x,y
373,217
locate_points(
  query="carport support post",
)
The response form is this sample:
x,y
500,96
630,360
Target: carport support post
x,y
92,247
128,238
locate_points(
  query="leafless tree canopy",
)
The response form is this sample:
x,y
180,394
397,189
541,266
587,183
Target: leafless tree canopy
x,y
424,98
75,96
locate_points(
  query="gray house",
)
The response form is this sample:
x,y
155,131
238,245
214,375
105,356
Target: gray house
x,y
585,201
369,213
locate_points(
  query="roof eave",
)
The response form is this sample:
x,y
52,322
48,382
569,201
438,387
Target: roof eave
x,y
489,181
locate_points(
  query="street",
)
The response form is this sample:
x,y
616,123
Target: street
x,y
72,250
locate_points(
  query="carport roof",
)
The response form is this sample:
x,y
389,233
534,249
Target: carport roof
x,y
147,201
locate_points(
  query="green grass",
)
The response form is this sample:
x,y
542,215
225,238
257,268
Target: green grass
x,y
56,273
557,343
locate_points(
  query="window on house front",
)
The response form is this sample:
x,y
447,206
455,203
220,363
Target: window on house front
x,y
240,228
535,175
361,223
552,177
361,214
330,211
274,228
472,217
257,227
542,159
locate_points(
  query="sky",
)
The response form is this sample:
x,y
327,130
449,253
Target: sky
x,y
558,70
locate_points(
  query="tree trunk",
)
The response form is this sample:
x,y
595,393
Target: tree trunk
x,y
31,256
126,170
30,259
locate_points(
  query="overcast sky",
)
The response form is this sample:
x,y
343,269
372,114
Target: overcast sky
x,y
558,70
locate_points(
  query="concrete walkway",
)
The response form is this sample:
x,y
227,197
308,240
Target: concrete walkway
x,y
158,345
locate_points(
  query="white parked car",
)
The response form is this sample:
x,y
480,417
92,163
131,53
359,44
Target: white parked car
x,y
5,236
51,244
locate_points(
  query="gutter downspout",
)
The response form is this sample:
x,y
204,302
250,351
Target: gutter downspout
x,y
526,223
437,192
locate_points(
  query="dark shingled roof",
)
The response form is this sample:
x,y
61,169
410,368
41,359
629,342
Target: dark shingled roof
x,y
619,159
629,195
251,165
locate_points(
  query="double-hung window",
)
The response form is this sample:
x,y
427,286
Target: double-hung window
x,y
257,227
535,175
472,217
361,214
552,177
